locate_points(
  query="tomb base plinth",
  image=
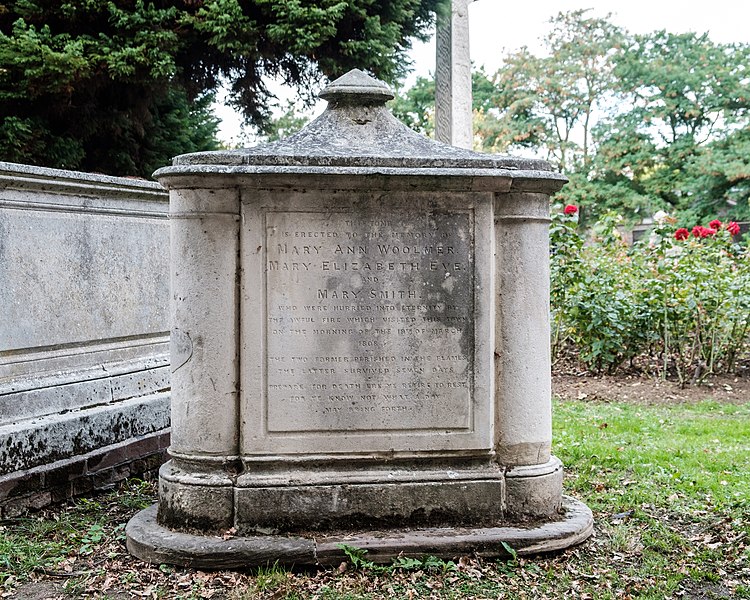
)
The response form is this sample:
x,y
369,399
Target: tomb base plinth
x,y
152,542
327,495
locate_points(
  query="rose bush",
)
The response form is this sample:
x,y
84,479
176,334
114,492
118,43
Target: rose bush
x,y
675,303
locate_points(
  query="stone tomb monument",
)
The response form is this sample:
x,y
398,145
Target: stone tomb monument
x,y
359,351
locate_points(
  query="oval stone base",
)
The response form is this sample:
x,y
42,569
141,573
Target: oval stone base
x,y
153,543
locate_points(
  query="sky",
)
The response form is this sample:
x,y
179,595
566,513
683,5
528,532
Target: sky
x,y
499,26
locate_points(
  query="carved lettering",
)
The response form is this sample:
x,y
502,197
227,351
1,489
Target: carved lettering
x,y
373,314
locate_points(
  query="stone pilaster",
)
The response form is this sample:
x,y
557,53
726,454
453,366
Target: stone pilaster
x,y
197,482
523,421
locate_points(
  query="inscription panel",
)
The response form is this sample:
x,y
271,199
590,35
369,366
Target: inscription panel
x,y
369,321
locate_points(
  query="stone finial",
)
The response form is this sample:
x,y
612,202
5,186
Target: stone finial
x,y
358,87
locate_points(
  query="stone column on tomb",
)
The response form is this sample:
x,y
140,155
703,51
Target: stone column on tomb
x,y
453,112
523,425
204,346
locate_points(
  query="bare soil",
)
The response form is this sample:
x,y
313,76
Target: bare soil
x,y
642,389
39,590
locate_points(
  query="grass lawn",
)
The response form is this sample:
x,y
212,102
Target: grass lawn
x,y
669,486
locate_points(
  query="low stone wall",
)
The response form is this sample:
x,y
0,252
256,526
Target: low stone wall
x,y
84,334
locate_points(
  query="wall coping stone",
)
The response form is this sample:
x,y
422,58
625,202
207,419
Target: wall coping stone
x,y
19,176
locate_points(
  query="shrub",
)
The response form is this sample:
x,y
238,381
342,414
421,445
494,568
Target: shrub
x,y
677,303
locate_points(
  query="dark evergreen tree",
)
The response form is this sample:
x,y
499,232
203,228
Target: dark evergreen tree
x,y
120,86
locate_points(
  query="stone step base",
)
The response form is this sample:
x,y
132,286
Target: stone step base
x,y
153,543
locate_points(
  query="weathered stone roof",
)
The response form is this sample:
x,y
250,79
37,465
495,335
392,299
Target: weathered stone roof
x,y
358,130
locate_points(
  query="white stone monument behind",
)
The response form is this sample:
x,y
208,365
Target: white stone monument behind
x,y
453,99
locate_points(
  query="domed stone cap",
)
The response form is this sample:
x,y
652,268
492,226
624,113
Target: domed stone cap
x,y
358,87
358,130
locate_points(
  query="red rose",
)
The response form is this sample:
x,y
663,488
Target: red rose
x,y
701,232
570,209
681,234
733,228
715,224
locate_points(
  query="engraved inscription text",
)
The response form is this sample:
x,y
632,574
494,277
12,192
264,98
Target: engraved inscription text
x,y
369,321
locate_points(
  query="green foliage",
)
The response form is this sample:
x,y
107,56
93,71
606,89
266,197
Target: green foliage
x,y
416,106
686,98
596,296
88,86
122,86
511,552
677,138
21,551
35,544
358,559
296,41
683,83
679,306
545,100
720,176
93,535
685,458
639,123
269,578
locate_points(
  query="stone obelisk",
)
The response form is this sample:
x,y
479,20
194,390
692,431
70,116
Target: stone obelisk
x,y
453,77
